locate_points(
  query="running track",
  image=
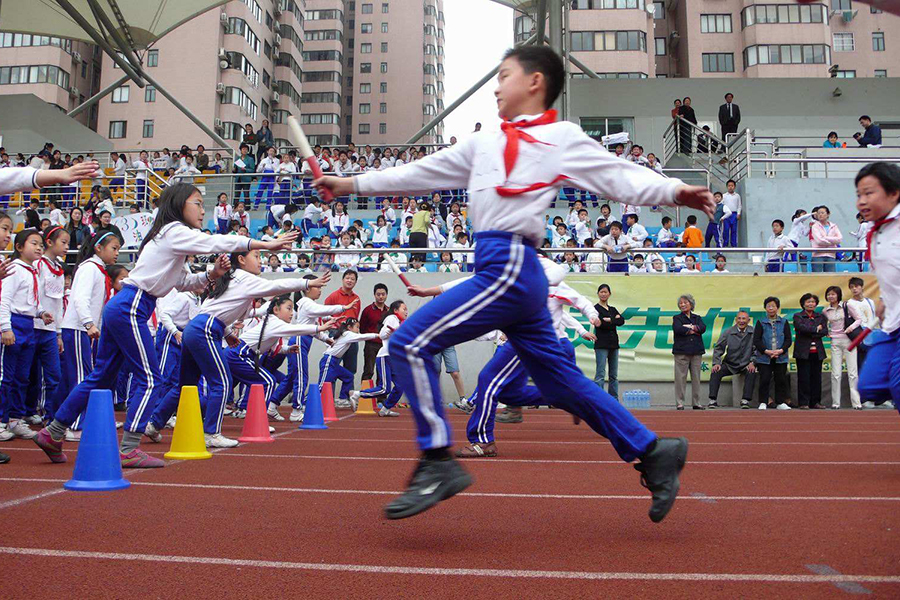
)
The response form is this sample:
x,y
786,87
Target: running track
x,y
775,505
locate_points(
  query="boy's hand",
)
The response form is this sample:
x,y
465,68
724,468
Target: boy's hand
x,y
338,186
696,197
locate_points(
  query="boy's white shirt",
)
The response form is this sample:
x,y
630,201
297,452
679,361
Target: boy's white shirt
x,y
732,202
477,164
777,241
665,235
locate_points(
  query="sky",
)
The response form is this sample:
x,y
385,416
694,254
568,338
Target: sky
x,y
477,34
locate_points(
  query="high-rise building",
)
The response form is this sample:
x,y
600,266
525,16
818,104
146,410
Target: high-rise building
x,y
728,38
60,72
371,72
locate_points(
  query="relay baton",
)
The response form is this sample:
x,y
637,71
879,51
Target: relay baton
x,y
307,154
397,270
859,340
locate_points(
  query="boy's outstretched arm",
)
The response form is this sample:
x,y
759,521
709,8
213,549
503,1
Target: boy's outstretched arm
x,y
446,169
589,166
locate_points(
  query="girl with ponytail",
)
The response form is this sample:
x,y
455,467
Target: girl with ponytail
x,y
330,368
246,360
92,287
296,383
230,300
160,267
389,324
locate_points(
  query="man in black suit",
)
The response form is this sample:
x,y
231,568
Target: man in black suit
x,y
729,116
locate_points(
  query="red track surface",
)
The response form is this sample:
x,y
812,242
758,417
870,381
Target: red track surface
x,y
556,515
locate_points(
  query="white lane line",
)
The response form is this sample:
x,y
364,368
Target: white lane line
x,y
27,499
598,440
772,463
443,571
894,430
643,497
849,587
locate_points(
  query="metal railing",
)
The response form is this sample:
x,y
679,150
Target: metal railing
x,y
802,165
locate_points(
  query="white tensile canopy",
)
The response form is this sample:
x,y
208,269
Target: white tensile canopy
x,y
141,22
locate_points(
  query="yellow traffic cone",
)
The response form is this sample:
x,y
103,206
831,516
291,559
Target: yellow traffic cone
x,y
188,441
366,405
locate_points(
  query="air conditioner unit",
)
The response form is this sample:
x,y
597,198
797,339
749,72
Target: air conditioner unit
x,y
223,55
220,89
76,57
218,124
848,15
223,19
276,97
277,8
73,91
223,64
277,39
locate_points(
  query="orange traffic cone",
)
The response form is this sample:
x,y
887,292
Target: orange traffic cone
x,y
256,423
366,406
328,403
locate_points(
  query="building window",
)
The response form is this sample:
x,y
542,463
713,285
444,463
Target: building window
x,y
152,60
364,127
383,108
715,23
718,62
384,46
843,42
118,129
879,73
365,109
149,94
264,109
365,67
365,28
841,5
609,40
382,128
660,43
384,28
365,48
120,94
878,41
147,130
429,110
383,87
597,127
659,10
365,88
783,13
786,54
845,74
367,9
384,67
34,74
582,41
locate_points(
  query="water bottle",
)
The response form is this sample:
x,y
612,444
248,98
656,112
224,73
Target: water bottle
x,y
645,399
628,399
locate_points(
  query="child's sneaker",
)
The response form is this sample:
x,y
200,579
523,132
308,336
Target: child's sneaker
x,y
170,424
217,440
34,420
5,433
296,415
52,447
153,433
386,412
72,435
20,429
138,459
274,414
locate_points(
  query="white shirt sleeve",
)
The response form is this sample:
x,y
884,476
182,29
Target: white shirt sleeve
x,y
17,179
185,241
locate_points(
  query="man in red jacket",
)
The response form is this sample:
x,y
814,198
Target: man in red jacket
x,y
344,296
370,322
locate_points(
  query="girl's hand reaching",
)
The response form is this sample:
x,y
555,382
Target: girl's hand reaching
x,y
331,323
220,267
282,243
320,281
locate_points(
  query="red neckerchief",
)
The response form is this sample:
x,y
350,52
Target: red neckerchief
x,y
277,347
54,266
106,281
875,227
514,133
34,275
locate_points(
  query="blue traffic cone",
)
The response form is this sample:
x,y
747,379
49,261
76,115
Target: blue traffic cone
x,y
98,466
313,417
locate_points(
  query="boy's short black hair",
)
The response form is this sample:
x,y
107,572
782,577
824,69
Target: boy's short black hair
x,y
717,194
731,181
544,60
779,221
632,216
692,219
666,220
380,286
856,281
887,174
616,224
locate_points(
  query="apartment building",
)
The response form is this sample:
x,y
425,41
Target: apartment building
x,y
728,38
372,72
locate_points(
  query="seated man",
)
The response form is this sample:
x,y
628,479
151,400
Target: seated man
x,y
732,356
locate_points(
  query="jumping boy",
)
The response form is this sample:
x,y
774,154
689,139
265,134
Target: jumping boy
x,y
512,177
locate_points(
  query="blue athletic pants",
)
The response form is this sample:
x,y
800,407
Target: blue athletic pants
x,y
330,370
15,368
385,385
45,374
77,363
297,378
509,292
125,343
202,354
169,352
242,364
880,376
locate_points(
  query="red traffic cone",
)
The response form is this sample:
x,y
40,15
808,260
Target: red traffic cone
x,y
256,423
328,403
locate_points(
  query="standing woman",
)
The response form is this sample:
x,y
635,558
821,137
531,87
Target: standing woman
x,y
174,236
839,319
824,234
688,349
78,231
265,139
418,233
249,137
606,347
810,328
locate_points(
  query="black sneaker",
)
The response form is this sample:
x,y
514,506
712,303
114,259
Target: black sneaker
x,y
712,405
745,405
698,407
431,482
659,469
4,458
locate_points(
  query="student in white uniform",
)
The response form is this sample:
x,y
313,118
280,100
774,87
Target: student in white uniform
x,y
330,368
396,314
